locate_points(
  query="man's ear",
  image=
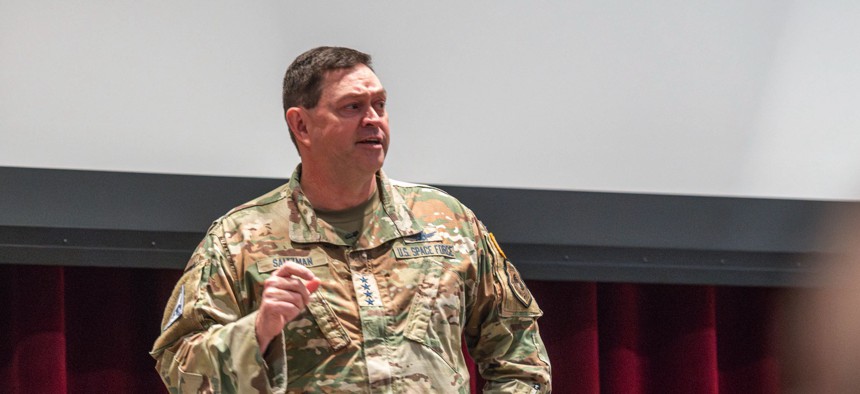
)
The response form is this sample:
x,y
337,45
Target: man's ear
x,y
296,119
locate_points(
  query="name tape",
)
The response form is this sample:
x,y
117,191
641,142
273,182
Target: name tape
x,y
273,263
412,251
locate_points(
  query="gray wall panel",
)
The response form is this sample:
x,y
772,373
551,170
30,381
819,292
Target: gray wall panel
x,y
68,217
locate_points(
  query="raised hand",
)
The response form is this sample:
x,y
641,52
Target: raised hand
x,y
285,296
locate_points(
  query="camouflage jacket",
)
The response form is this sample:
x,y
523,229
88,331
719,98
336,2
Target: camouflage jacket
x,y
389,317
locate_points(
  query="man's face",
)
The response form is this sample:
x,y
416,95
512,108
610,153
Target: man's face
x,y
348,129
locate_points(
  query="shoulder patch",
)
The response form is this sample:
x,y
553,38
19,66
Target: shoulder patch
x,y
517,286
177,310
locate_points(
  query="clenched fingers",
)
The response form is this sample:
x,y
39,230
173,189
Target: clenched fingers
x,y
284,297
292,269
286,289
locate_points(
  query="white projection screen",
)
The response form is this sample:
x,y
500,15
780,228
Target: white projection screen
x,y
722,98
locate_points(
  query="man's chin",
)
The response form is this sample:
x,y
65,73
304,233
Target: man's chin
x,y
370,166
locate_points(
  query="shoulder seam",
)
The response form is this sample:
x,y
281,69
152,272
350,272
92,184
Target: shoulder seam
x,y
249,205
400,184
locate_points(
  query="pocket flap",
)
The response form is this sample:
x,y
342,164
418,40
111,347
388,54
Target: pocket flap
x,y
328,323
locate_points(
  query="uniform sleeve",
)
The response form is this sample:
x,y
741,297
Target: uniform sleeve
x,y
502,331
208,342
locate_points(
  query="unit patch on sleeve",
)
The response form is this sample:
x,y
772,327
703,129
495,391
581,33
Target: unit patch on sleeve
x,y
177,310
518,287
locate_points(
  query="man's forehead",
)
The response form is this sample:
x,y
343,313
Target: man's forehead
x,y
355,80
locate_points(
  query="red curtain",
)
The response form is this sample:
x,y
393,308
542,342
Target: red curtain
x,y
86,330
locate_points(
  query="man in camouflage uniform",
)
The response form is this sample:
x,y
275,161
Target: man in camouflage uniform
x,y
343,280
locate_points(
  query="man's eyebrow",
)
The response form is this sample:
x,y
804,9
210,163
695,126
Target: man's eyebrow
x,y
348,96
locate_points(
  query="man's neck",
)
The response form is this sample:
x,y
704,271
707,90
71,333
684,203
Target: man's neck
x,y
331,192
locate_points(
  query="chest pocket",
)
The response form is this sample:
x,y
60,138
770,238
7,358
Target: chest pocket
x,y
307,331
435,312
421,309
433,293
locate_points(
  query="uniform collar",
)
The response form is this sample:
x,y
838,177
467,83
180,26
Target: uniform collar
x,y
393,219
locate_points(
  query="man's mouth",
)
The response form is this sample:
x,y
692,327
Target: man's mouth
x,y
371,141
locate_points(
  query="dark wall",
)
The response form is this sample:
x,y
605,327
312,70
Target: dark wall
x,y
95,218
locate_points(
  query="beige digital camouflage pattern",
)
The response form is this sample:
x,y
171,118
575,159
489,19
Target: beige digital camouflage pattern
x,y
389,316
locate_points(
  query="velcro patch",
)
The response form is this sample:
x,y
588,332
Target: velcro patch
x,y
518,287
423,250
177,309
275,262
366,290
428,235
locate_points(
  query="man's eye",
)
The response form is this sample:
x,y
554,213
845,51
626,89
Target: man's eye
x,y
352,106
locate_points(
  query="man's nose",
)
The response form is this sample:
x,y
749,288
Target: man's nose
x,y
372,118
